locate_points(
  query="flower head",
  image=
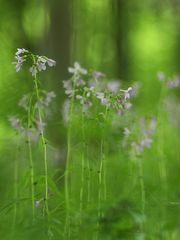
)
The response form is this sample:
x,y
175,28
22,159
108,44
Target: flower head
x,y
38,63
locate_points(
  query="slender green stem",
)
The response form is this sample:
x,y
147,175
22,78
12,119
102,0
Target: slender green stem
x,y
82,158
104,155
161,155
44,147
162,162
15,190
67,170
31,163
89,179
102,174
142,189
102,168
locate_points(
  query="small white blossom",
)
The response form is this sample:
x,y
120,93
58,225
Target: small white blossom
x,y
23,102
77,69
41,66
104,101
37,204
160,76
127,105
70,93
67,84
79,97
126,132
127,93
49,97
113,86
97,74
15,123
20,51
65,111
100,95
174,83
30,134
40,125
51,62
146,143
19,62
80,82
146,138
41,63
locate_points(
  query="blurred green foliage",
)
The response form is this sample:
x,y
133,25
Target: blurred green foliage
x,y
127,40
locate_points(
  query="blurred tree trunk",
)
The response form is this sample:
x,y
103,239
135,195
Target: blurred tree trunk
x,y
59,41
121,28
60,35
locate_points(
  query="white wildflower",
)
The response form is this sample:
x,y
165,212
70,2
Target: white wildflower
x,y
97,74
23,102
19,62
15,123
175,83
48,98
128,93
77,69
160,76
30,134
51,62
20,51
40,125
113,86
126,132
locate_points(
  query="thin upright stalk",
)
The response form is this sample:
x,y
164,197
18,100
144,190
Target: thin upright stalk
x,y
31,163
102,168
162,165
89,179
160,134
102,173
67,170
142,190
104,155
15,190
82,158
44,147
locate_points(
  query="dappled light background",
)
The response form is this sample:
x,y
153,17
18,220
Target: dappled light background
x,y
129,41
125,39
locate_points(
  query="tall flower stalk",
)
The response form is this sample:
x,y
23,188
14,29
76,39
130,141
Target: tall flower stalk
x,y
31,161
82,158
43,145
67,171
35,115
142,190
